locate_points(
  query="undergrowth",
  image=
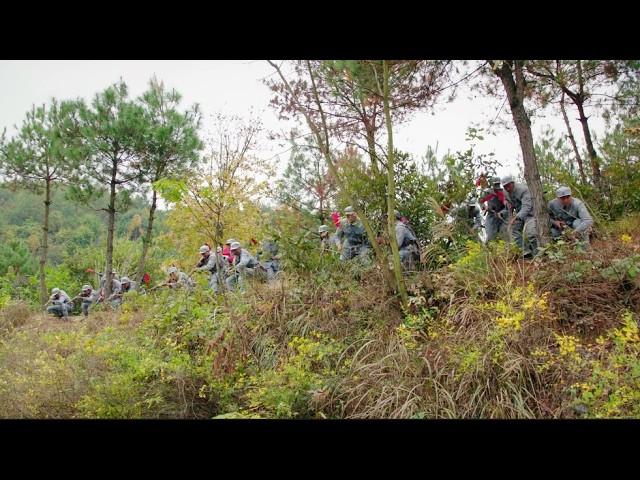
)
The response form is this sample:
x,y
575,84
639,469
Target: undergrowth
x,y
486,336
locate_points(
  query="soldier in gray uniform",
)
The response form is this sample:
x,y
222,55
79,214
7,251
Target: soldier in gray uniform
x,y
353,236
568,212
328,243
126,285
243,265
323,232
467,218
115,284
270,258
497,208
88,296
61,303
179,279
523,223
407,241
214,264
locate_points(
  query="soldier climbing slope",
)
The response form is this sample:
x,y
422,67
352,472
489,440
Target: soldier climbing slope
x,y
126,285
523,223
353,236
244,265
88,296
215,265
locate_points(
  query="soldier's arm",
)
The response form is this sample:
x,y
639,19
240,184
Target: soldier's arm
x,y
553,218
527,206
400,234
585,216
244,260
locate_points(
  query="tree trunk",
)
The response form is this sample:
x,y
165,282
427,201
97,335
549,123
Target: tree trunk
x,y
391,192
45,243
593,156
514,89
146,241
110,232
572,139
371,146
321,209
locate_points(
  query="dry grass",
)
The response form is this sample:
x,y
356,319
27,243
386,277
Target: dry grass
x,y
13,315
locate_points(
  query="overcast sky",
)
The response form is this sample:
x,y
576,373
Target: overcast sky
x,y
235,87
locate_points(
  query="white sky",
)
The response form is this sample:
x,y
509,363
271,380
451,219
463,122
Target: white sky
x,y
235,87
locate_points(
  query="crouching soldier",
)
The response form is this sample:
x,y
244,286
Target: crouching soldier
x,y
523,223
328,242
467,218
126,285
567,212
179,279
88,296
407,243
61,303
176,279
497,210
215,265
244,265
115,284
270,258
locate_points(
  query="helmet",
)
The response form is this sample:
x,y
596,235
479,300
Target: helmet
x,y
508,179
229,242
171,270
235,245
86,287
349,209
495,180
125,280
563,192
204,249
55,291
397,214
323,228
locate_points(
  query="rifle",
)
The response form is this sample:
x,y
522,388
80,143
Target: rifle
x,y
158,286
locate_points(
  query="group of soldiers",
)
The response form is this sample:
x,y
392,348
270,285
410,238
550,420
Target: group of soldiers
x,y
506,206
508,211
61,304
351,241
228,268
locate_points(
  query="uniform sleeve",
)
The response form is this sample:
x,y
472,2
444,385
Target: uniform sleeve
x,y
209,265
583,214
244,260
487,196
526,208
552,211
400,235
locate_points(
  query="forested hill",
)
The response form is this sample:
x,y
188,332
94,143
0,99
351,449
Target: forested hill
x,y
76,234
